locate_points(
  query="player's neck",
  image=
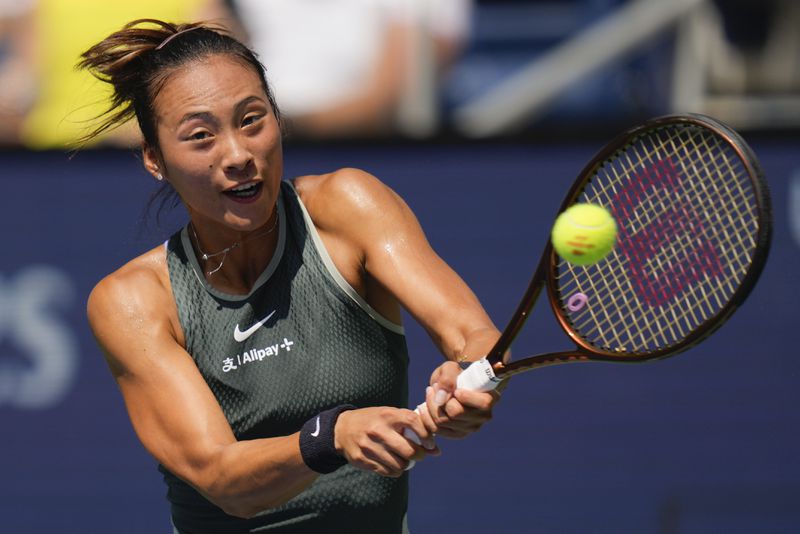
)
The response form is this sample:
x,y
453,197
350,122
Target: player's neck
x,y
236,267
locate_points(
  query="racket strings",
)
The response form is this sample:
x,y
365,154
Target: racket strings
x,y
671,250
688,221
742,209
694,169
623,294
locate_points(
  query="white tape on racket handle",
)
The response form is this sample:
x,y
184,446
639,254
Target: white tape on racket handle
x,y
479,376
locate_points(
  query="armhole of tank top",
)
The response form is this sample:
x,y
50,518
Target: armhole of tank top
x,y
181,325
337,276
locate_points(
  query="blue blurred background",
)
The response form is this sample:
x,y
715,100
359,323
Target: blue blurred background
x,y
482,146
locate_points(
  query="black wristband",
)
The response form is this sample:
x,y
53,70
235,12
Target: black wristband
x,y
316,441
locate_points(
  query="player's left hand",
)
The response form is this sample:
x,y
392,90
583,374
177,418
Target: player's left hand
x,y
452,412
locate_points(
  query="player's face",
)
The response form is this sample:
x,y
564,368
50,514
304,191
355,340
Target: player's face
x,y
219,143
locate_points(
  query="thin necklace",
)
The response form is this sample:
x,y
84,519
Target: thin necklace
x,y
224,252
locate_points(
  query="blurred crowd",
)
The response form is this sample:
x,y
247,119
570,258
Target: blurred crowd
x,y
380,68
338,67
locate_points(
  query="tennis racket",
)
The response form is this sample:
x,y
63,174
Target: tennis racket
x,y
693,214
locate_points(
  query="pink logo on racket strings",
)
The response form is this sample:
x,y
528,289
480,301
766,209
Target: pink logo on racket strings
x,y
576,302
677,222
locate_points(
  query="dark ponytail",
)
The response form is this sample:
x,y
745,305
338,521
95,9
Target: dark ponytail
x,y
138,59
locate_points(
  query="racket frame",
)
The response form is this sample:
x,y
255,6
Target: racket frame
x,y
547,268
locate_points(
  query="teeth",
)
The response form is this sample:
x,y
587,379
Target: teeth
x,y
242,188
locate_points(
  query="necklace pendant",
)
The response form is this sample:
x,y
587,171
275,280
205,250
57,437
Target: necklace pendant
x,y
224,252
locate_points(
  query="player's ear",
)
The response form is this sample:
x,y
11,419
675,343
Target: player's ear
x,y
152,161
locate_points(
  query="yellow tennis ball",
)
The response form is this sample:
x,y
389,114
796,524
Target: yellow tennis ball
x,y
584,234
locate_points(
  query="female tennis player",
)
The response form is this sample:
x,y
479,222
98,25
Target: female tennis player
x,y
259,350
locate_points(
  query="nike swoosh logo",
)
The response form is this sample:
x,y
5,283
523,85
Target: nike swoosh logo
x,y
315,433
240,336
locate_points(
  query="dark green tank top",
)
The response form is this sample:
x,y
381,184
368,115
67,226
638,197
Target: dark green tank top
x,y
301,342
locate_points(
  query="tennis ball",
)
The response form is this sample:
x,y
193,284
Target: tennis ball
x,y
584,234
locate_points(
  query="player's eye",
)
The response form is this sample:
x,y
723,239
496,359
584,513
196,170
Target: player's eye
x,y
251,119
199,135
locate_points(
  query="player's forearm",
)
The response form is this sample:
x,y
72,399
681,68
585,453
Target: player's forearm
x,y
465,332
247,477
478,343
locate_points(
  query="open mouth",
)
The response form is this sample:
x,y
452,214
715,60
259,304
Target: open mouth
x,y
245,192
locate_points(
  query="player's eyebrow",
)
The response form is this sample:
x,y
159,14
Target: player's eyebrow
x,y
247,100
201,115
209,117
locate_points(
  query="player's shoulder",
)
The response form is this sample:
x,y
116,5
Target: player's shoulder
x,y
341,184
346,192
140,287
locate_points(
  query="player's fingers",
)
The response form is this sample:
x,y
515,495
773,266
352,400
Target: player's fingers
x,y
459,431
384,462
462,420
401,446
386,446
444,379
479,400
424,412
435,398
425,432
478,412
369,456
453,409
448,375
414,433
458,416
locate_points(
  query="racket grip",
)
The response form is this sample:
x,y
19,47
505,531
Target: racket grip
x,y
479,376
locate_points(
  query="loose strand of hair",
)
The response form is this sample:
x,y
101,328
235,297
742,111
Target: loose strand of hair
x,y
119,60
111,61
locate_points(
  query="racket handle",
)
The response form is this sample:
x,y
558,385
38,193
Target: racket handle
x,y
479,376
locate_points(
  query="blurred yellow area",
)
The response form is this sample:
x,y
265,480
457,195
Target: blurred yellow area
x,y
71,100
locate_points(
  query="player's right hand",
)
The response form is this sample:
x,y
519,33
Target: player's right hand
x,y
372,439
